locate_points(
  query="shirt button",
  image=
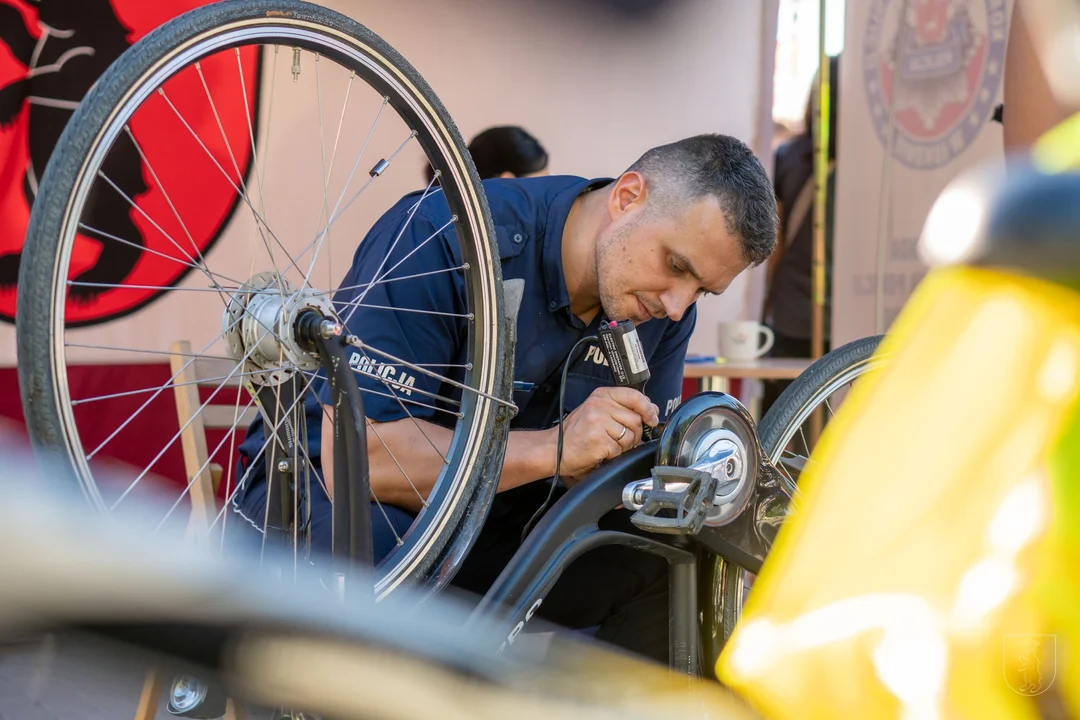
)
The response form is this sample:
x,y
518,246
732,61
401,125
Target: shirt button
x,y
545,388
518,237
553,304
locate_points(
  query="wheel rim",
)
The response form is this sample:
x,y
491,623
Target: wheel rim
x,y
845,378
482,374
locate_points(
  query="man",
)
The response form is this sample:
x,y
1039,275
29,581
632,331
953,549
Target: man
x,y
682,222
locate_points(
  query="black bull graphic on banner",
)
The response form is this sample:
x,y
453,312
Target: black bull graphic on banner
x,y
131,248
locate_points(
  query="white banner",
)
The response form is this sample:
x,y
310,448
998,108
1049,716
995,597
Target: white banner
x,y
931,71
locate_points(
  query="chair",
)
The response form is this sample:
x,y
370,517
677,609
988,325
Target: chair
x,y
205,477
188,377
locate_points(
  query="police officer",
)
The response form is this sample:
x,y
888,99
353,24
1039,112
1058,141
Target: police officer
x,y
683,221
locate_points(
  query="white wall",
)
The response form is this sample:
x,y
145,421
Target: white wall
x,y
595,90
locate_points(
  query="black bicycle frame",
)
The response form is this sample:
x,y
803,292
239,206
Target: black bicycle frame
x,y
352,545
571,528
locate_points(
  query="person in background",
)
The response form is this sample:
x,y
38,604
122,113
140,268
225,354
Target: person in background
x,y
506,151
788,308
781,133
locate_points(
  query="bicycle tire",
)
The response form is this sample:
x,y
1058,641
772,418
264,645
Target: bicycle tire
x,y
798,398
438,542
724,579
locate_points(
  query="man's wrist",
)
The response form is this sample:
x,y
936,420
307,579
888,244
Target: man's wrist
x,y
530,456
543,448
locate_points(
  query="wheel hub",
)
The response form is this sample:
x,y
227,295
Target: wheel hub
x,y
259,325
721,453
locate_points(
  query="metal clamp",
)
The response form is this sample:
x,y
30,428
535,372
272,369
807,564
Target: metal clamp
x,y
687,492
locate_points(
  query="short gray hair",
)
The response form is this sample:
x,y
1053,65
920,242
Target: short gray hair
x,y
725,168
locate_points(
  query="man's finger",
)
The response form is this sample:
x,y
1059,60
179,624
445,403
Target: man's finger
x,y
636,401
628,419
615,449
625,436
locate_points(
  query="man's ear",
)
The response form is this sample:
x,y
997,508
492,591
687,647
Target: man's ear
x,y
628,195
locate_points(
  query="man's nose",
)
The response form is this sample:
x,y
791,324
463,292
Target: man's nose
x,y
675,303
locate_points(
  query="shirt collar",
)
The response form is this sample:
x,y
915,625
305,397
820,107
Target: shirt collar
x,y
554,276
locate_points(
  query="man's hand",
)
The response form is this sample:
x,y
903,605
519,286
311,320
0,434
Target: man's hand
x,y
603,427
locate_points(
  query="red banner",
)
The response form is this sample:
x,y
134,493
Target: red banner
x,y
163,199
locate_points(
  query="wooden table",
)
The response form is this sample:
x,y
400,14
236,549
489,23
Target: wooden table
x,y
715,376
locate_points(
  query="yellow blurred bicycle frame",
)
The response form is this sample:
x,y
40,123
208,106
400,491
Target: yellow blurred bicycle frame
x,y
931,570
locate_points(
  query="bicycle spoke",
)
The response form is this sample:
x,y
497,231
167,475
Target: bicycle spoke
x,y
397,538
324,210
202,381
311,465
221,126
466,366
412,402
86,228
394,385
381,279
147,351
390,280
338,215
370,424
201,268
782,466
356,164
400,399
254,463
400,469
328,173
408,219
251,129
415,422
422,431
124,286
165,194
357,342
230,432
269,118
228,148
806,445
255,460
357,303
159,391
282,416
243,196
175,437
229,473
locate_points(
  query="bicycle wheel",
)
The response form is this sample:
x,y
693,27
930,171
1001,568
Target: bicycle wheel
x,y
175,136
787,442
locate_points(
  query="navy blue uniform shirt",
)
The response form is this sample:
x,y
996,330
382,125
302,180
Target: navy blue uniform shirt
x,y
404,296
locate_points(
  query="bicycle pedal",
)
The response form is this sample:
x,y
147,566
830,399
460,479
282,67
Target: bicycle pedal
x,y
678,502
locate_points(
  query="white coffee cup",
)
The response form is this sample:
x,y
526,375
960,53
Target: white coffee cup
x,y
743,340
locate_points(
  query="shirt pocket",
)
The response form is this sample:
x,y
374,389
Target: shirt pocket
x,y
510,241
523,394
